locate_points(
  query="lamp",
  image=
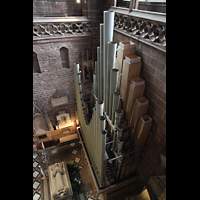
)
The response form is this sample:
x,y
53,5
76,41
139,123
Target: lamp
x,y
78,126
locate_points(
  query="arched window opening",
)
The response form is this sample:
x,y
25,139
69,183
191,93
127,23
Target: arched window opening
x,y
64,55
36,67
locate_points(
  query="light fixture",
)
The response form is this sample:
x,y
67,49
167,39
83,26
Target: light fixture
x,y
78,126
78,1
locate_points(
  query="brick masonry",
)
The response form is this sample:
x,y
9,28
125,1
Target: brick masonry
x,y
154,73
57,8
53,76
61,8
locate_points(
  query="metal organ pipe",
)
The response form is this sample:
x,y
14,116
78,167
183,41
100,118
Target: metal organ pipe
x,y
101,62
108,19
99,112
103,149
115,103
96,77
113,85
111,54
98,72
94,84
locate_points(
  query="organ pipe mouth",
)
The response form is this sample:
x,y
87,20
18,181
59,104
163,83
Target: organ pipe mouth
x,y
99,101
107,11
115,70
118,111
102,118
116,93
112,42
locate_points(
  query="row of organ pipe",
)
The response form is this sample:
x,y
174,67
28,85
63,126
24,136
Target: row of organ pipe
x,y
94,132
105,91
112,145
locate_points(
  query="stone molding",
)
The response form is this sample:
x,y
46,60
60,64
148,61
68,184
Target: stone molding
x,y
70,27
145,26
59,182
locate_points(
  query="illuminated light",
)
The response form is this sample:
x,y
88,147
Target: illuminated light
x,y
78,1
78,126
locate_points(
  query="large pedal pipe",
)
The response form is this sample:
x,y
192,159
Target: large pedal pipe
x,y
99,112
113,86
108,20
103,147
98,72
96,77
101,63
111,56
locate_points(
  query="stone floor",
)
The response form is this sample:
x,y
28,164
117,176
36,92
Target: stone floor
x,y
72,153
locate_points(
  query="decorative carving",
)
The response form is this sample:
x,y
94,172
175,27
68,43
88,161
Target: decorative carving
x,y
68,28
57,167
152,31
58,94
59,182
59,98
36,110
61,193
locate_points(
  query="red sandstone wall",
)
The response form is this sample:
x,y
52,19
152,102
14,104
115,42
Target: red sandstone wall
x,y
53,76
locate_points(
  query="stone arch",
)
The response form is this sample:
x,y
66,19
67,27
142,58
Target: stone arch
x,y
64,55
36,67
39,124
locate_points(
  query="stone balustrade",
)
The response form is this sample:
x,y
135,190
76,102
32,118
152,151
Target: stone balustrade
x,y
69,26
145,26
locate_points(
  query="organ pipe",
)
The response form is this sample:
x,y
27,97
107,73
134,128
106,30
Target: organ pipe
x,y
108,19
111,54
101,62
113,85
115,104
98,72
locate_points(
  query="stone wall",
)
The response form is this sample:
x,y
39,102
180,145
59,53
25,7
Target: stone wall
x,y
59,8
53,76
92,9
154,73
